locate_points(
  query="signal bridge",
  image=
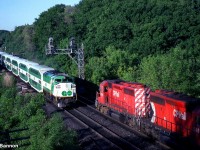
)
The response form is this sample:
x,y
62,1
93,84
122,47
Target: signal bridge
x,y
75,53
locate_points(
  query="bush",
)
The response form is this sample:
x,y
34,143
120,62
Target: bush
x,y
18,112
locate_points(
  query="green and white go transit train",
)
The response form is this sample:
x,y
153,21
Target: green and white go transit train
x,y
57,86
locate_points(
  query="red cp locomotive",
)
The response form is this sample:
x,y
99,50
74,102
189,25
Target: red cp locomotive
x,y
159,113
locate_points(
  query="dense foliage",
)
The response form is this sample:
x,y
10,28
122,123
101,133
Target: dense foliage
x,y
56,23
155,42
3,35
19,112
140,26
20,42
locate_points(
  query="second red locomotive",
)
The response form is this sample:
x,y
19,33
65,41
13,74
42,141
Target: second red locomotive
x,y
156,113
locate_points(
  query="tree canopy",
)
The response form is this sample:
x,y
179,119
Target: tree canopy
x,y
3,35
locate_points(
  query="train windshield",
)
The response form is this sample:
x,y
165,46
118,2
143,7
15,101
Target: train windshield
x,y
58,80
67,79
63,79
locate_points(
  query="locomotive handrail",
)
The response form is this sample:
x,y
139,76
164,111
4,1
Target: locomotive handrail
x,y
178,127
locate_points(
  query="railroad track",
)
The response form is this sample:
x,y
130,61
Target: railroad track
x,y
92,133
140,140
88,137
104,131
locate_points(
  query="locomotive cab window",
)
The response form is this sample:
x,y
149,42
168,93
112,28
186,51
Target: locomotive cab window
x,y
58,80
65,80
105,89
70,80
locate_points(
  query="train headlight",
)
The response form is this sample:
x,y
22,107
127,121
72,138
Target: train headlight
x,y
66,93
69,93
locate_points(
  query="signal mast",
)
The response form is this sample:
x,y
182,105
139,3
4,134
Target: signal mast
x,y
75,53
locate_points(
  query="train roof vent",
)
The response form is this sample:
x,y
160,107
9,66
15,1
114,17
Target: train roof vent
x,y
62,74
56,72
164,91
125,83
117,81
176,95
137,85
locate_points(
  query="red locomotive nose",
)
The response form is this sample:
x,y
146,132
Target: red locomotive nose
x,y
120,95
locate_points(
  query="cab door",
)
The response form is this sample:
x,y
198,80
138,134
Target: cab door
x,y
103,98
104,93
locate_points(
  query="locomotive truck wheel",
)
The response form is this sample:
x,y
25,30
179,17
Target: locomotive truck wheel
x,y
98,107
133,122
129,123
101,109
122,118
105,110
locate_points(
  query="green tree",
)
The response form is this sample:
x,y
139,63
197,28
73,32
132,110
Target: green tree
x,y
18,112
114,63
167,71
3,35
20,42
52,23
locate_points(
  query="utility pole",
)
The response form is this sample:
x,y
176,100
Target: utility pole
x,y
75,53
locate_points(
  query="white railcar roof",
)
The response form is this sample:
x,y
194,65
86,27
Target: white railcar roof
x,y
6,55
18,59
34,65
13,57
2,52
42,68
27,62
